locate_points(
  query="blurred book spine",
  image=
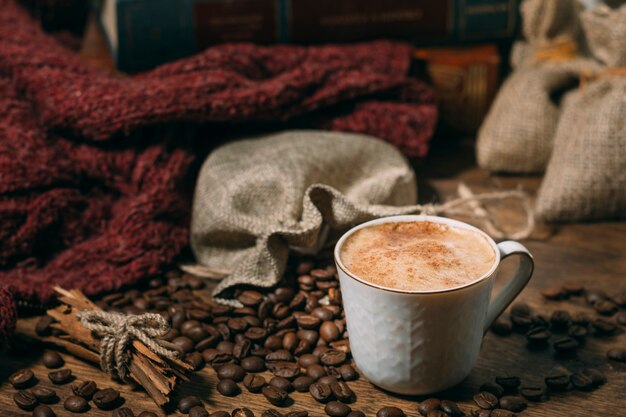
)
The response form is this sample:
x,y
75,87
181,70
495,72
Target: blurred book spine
x,y
145,33
466,80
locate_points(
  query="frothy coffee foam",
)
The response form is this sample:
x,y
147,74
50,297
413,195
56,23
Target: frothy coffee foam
x,y
417,256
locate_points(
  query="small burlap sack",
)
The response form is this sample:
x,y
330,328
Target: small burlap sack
x,y
586,176
257,199
517,133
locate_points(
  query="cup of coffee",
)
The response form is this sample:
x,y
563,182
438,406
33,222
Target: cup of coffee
x,y
417,297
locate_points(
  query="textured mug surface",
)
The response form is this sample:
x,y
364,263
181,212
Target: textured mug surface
x,y
420,342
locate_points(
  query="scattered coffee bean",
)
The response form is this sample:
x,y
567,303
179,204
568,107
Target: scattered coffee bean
x,y
603,327
254,383
573,288
596,376
605,307
390,412
187,403
76,404
532,393
315,371
577,332
43,411
342,391
481,413
23,378
451,408
512,403
253,364
242,412
282,383
560,319
499,412
228,387
616,354
52,360
25,400
348,373
437,413
85,389
231,371
554,293
565,344
428,405
274,395
302,383
492,387
581,381
356,413
271,413
106,399
328,379
509,383
198,411
320,392
60,377
287,370
219,413
297,414
123,412
333,357
538,335
558,382
486,400
44,395
337,409
502,326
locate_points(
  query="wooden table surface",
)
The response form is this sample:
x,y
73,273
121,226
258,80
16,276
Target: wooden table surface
x,y
592,254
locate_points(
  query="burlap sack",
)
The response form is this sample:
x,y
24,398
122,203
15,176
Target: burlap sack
x,y
586,176
255,199
517,134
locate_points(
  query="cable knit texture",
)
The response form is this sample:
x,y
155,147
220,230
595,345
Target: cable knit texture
x,y
92,197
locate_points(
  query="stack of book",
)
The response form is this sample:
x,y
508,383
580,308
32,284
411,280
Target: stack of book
x,y
144,33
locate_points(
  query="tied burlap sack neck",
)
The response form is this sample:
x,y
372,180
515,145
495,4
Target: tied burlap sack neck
x,y
258,199
586,176
517,133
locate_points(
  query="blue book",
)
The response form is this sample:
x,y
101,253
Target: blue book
x,y
145,33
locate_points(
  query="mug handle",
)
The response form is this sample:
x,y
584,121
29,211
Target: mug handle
x,y
516,284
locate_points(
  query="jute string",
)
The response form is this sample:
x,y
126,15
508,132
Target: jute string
x,y
560,49
588,76
118,331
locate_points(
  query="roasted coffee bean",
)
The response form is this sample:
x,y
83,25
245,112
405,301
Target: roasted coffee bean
x,y
123,412
290,341
554,293
219,414
557,382
43,411
502,326
198,333
356,413
509,383
228,387
44,395
492,387
560,320
310,336
253,364
320,392
302,383
603,327
85,389
187,403
272,413
521,310
256,334
254,383
106,399
237,324
328,379
329,331
149,414
62,376
538,335
231,371
308,359
521,322
242,412
195,360
342,391
274,395
260,352
287,370
280,355
297,414
23,378
573,288
281,383
43,328
250,298
302,347
481,413
323,314
337,409
333,357
226,346
348,373
437,413
581,381
499,412
486,400
183,343
577,332
25,400
315,371
52,360
597,376
309,321
198,411
532,393
605,307
76,404
390,412
186,326
298,302
273,342
565,344
512,403
616,354
451,408
428,405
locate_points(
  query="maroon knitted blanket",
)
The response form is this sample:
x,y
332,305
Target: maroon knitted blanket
x,y
92,197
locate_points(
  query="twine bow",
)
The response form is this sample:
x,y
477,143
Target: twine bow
x,y
118,331
559,49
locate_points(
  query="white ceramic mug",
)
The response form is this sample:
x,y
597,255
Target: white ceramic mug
x,y
420,342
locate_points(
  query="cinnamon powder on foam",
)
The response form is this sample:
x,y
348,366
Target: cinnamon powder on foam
x,y
417,256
